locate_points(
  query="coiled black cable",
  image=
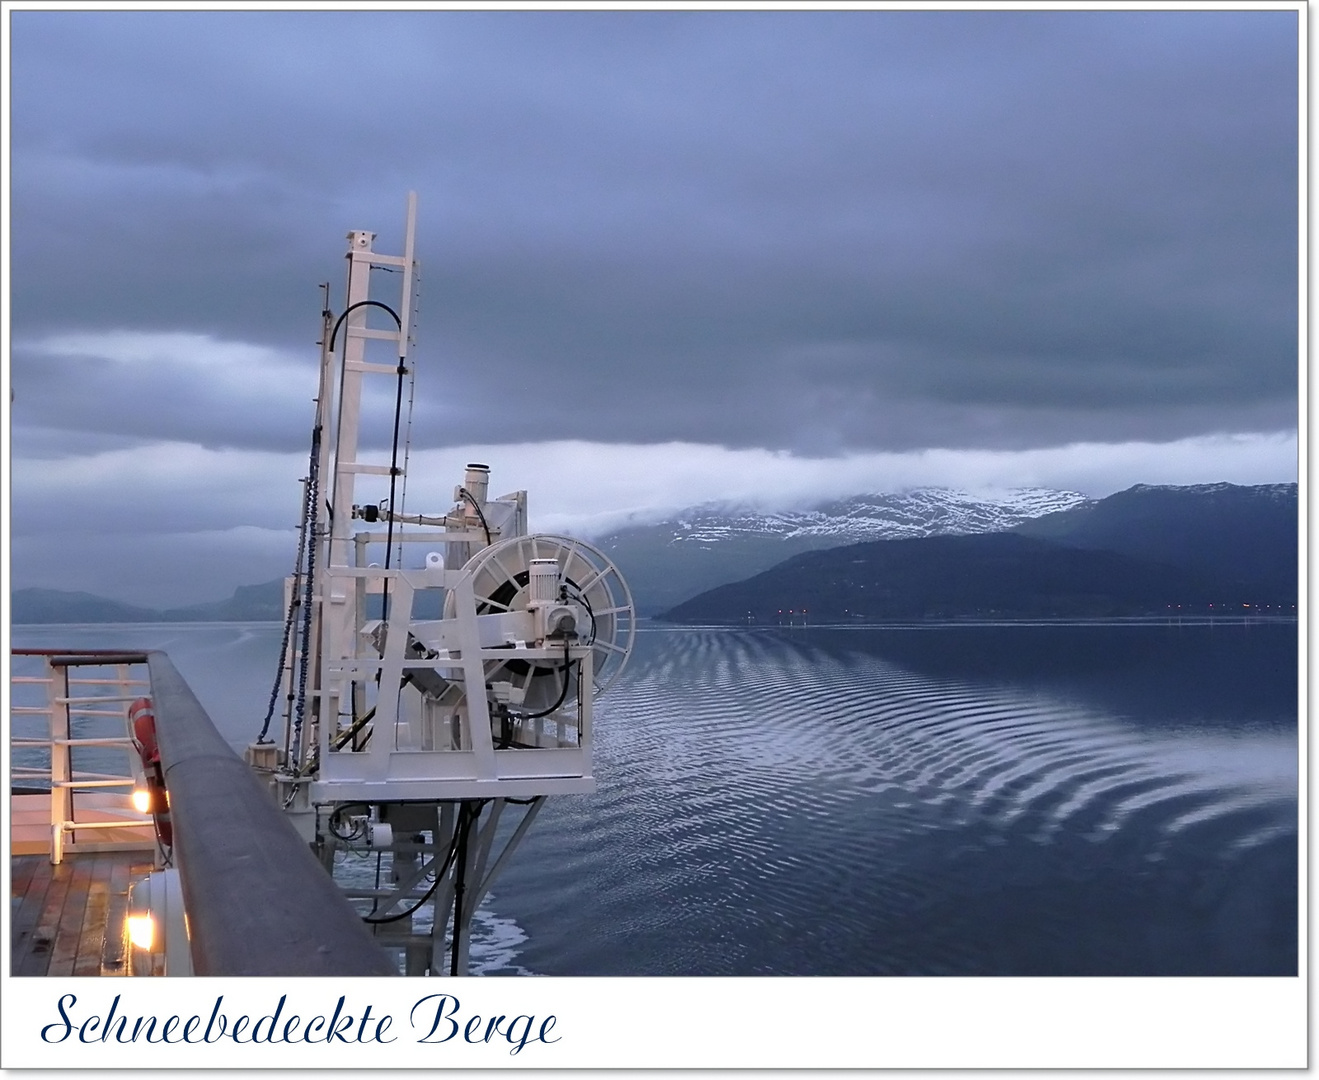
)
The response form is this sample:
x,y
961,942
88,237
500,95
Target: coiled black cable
x,y
466,818
563,692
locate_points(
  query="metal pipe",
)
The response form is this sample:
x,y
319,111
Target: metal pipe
x,y
84,657
258,902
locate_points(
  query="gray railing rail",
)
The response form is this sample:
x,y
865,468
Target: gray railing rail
x,y
258,901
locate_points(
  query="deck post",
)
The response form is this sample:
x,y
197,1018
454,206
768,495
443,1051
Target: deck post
x,y
61,795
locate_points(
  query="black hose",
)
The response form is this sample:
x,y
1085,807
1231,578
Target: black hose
x,y
353,307
393,479
459,839
393,461
459,889
462,491
398,409
337,814
563,693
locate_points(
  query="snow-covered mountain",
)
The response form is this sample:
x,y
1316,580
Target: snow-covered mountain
x,y
1139,551
922,512
709,545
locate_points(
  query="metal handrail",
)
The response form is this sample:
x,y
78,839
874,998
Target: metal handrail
x,y
258,901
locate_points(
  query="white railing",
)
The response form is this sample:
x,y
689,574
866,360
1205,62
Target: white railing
x,y
69,735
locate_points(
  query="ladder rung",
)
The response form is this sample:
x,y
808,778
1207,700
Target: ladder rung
x,y
368,332
383,369
359,467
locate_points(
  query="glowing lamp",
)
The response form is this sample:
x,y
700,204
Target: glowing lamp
x,y
142,800
142,931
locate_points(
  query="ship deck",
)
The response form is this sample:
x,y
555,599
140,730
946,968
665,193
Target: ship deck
x,y
68,919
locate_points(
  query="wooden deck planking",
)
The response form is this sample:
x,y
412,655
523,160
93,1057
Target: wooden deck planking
x,y
21,874
91,937
29,884
114,959
51,903
69,918
69,927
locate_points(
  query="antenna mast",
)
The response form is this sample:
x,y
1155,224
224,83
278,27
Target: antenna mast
x,y
444,691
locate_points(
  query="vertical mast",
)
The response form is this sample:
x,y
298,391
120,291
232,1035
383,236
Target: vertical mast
x,y
336,594
409,270
419,726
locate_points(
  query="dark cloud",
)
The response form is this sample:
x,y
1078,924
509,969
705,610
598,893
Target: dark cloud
x,y
812,230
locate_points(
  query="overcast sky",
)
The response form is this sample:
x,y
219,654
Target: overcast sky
x,y
667,257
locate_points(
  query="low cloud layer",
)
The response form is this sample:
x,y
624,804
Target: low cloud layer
x,y
165,545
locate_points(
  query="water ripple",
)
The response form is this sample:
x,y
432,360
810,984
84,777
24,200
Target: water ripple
x,y
765,800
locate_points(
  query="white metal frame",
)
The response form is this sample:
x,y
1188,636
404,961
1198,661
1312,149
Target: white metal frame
x,y
356,663
435,726
87,697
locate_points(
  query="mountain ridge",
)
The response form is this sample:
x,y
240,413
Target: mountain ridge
x,y
1146,550
989,575
1217,530
1204,529
263,602
681,556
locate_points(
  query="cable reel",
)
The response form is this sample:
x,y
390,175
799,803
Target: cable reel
x,y
576,595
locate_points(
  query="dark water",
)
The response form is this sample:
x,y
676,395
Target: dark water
x,y
962,800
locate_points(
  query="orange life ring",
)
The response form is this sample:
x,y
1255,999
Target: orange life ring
x,y
143,721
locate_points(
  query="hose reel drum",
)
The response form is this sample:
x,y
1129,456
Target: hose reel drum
x,y
576,597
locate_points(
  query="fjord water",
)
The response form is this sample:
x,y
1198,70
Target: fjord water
x,y
963,800
1013,799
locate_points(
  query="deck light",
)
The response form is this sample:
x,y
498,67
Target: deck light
x,y
142,800
142,931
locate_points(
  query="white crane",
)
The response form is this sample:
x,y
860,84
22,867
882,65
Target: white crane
x,y
416,737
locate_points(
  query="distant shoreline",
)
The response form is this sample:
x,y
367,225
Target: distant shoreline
x,y
647,623
1061,620
156,622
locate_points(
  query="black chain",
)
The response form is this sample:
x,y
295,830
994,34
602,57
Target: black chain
x,y
289,618
313,489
